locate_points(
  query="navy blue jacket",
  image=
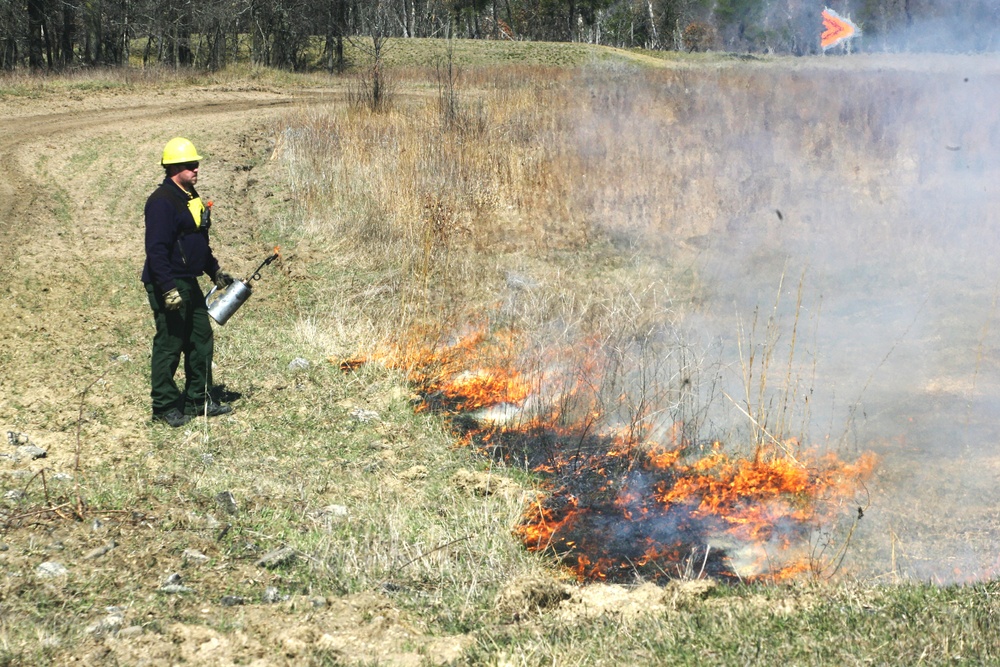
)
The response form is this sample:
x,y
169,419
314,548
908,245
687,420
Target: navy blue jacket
x,y
175,246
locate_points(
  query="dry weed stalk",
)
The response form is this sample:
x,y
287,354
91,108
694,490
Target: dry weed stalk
x,y
373,87
78,506
756,359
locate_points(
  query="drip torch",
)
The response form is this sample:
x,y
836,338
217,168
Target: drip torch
x,y
223,303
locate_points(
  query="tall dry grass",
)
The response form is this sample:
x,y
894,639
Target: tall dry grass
x,y
594,184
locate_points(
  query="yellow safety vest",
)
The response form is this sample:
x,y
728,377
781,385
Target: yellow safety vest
x,y
197,209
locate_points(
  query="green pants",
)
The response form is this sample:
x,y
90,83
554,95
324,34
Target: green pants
x,y
187,332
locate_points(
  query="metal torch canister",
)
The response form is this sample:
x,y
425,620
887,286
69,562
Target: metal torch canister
x,y
223,303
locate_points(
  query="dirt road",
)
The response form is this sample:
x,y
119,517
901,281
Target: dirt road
x,y
31,129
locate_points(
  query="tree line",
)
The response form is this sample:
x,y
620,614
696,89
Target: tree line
x,y
56,34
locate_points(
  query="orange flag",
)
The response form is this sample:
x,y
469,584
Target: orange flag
x,y
836,29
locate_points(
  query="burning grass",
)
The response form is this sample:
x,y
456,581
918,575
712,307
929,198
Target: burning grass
x,y
720,515
641,500
587,186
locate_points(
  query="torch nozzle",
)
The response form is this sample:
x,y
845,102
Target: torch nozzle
x,y
256,274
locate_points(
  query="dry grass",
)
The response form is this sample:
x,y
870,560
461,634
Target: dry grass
x,y
574,178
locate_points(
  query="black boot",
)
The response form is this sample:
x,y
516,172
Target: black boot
x,y
172,417
209,408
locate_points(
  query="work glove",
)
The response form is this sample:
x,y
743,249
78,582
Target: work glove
x,y
222,279
172,299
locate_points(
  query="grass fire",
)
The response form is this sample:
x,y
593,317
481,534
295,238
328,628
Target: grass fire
x,y
639,501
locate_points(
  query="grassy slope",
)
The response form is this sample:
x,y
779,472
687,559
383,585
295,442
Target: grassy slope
x,y
301,455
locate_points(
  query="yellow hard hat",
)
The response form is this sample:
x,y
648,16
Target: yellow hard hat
x,y
179,150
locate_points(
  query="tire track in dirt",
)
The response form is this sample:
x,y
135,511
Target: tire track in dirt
x,y
19,192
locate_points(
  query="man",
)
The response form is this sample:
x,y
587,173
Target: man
x,y
177,253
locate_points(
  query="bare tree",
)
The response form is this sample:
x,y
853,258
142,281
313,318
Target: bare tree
x,y
373,85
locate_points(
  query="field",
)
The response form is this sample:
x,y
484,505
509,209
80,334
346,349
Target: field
x,y
770,264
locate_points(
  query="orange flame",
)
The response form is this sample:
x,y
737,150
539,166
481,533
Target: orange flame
x,y
618,502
